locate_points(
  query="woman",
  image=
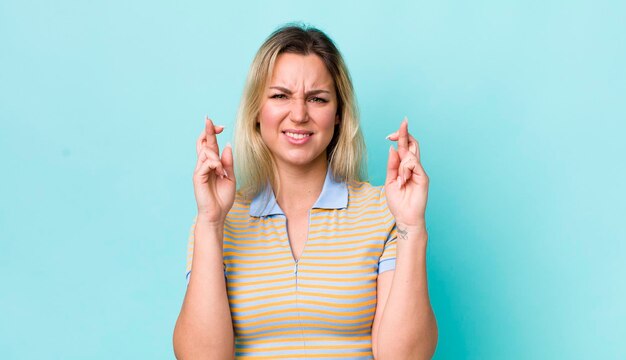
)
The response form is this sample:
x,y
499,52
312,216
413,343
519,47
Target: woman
x,y
305,260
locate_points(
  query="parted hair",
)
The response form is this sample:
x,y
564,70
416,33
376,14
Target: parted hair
x,y
255,165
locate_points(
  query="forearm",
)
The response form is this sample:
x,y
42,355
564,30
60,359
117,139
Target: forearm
x,y
408,329
204,327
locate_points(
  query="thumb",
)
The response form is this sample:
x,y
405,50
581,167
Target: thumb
x,y
393,162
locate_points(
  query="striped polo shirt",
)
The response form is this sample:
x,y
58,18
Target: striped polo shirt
x,y
321,306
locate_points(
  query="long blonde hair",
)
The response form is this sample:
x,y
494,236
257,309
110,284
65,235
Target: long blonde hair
x,y
255,165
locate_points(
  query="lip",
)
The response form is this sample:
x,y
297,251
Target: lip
x,y
294,141
296,131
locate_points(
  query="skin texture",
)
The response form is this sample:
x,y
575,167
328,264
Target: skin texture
x,y
204,327
403,292
301,98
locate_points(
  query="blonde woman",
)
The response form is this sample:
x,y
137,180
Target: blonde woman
x,y
305,259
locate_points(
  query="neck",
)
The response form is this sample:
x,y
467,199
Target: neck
x,y
300,187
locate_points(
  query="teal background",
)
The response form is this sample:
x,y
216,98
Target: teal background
x,y
518,106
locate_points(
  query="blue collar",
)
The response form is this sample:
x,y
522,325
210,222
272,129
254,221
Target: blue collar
x,y
334,195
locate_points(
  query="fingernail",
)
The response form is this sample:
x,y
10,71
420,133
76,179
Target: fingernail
x,y
405,119
225,173
390,135
228,145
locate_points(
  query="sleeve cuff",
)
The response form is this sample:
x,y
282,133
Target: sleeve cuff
x,y
386,265
189,274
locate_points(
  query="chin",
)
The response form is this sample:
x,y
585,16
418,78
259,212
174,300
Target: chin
x,y
299,162
301,159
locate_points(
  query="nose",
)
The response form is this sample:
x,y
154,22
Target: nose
x,y
298,113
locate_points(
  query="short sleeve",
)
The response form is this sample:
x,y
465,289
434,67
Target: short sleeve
x,y
387,260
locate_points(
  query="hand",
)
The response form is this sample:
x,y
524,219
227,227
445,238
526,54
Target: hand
x,y
214,178
406,186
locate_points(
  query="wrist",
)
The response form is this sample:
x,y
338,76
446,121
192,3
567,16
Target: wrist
x,y
417,227
411,232
209,221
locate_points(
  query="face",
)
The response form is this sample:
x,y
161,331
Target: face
x,y
299,112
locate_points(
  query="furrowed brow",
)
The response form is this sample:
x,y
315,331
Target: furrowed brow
x,y
289,92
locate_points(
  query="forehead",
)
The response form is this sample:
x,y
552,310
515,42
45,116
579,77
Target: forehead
x,y
296,70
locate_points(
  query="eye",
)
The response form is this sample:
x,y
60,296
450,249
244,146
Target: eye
x,y
278,96
319,100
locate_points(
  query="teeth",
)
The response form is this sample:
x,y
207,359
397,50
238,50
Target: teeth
x,y
297,136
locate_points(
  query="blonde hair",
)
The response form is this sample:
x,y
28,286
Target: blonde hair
x,y
255,165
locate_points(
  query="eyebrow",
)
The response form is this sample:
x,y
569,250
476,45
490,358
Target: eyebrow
x,y
309,93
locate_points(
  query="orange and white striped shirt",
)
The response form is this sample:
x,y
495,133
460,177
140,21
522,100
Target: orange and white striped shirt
x,y
321,306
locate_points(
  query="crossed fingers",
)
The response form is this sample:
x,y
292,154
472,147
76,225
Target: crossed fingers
x,y
405,140
408,154
207,150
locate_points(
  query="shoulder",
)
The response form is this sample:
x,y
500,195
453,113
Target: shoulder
x,y
365,198
240,208
364,192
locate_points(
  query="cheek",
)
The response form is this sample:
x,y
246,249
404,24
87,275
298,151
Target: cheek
x,y
326,116
269,119
271,114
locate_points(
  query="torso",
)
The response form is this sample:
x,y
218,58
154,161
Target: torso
x,y
324,304
297,230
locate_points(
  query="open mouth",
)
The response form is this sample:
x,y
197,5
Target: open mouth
x,y
297,135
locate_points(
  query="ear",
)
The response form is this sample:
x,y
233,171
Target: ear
x,y
337,120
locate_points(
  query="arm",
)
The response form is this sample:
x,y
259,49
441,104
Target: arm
x,y
405,324
204,328
407,298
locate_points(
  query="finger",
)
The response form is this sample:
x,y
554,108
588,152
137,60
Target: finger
x,y
211,140
227,162
411,140
201,158
403,137
413,143
214,158
410,167
419,171
393,136
206,155
417,151
200,142
211,157
406,168
393,161
211,166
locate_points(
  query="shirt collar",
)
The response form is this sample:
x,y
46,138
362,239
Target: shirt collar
x,y
334,195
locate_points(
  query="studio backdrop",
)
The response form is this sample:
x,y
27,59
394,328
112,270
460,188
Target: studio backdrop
x,y
518,107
